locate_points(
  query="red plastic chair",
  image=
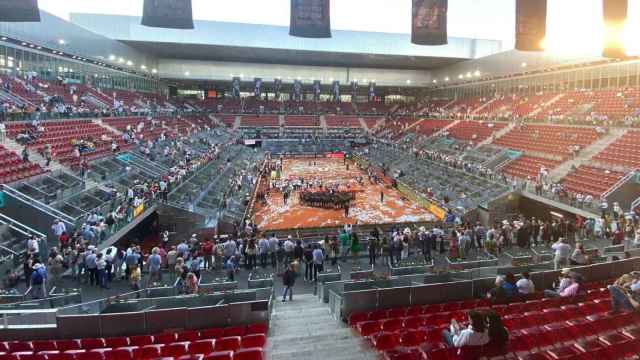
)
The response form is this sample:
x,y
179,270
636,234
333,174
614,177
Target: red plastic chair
x,y
43,345
147,352
257,329
390,325
213,333
231,343
116,342
385,341
201,347
187,336
92,343
564,352
125,353
164,338
397,313
378,315
174,350
89,355
253,341
140,340
413,338
368,327
249,354
19,346
220,355
234,331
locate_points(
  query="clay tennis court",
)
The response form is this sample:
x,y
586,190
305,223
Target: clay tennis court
x,y
366,209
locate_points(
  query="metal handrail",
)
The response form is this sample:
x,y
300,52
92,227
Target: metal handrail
x,y
18,225
42,206
619,184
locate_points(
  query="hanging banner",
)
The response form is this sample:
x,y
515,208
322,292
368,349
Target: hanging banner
x,y
429,22
335,90
297,90
257,87
316,90
235,87
531,24
615,16
310,19
19,11
277,87
171,14
372,91
354,89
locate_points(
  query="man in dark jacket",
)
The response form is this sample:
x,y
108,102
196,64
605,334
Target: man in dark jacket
x,y
288,280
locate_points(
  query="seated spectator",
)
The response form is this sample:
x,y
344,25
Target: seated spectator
x,y
579,257
498,294
569,290
625,293
498,334
474,335
525,285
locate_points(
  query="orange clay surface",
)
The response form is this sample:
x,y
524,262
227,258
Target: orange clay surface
x,y
366,209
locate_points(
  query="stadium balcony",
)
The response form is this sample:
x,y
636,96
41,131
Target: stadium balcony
x,y
622,152
429,127
371,121
342,121
14,169
497,106
591,180
527,105
539,328
302,121
260,121
548,139
474,131
528,166
61,134
230,343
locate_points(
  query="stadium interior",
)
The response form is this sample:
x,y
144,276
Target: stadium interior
x,y
185,183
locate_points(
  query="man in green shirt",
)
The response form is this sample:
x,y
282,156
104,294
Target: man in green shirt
x,y
344,244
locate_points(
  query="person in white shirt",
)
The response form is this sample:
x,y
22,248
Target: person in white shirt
x,y
525,285
562,251
474,335
288,249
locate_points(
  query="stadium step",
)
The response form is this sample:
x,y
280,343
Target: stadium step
x,y
304,329
106,126
585,155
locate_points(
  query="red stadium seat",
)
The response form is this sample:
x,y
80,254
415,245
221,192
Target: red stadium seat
x,y
234,331
249,354
257,329
164,338
202,347
231,343
213,333
253,341
116,342
220,355
187,336
141,340
175,349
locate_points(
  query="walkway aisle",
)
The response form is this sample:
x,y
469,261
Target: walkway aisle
x,y
305,329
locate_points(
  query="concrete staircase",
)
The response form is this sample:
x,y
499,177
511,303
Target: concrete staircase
x,y
281,123
106,126
586,154
305,329
236,124
215,120
323,125
476,110
445,129
363,124
497,134
545,105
